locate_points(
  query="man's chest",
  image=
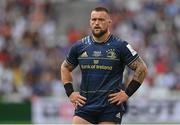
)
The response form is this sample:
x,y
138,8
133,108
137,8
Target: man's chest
x,y
102,57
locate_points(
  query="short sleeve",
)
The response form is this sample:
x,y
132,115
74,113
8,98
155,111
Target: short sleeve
x,y
129,55
72,56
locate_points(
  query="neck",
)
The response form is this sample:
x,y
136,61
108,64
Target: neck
x,y
102,39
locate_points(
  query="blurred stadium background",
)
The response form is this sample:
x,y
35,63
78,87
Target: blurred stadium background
x,y
35,36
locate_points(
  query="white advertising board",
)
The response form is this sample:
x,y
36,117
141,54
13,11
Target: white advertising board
x,y
142,110
51,111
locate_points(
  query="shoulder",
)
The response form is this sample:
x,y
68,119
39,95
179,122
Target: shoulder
x,y
86,40
118,42
82,42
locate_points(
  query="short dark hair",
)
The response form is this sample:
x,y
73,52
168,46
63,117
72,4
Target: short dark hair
x,y
101,9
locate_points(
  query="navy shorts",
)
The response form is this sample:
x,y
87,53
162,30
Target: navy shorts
x,y
110,113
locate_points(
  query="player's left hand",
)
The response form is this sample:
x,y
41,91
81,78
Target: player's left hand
x,y
118,97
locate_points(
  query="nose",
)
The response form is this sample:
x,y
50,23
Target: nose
x,y
97,22
97,25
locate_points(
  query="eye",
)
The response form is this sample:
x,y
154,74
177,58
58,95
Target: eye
x,y
101,19
93,19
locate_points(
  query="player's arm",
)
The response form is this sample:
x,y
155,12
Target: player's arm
x,y
66,76
140,72
140,69
66,70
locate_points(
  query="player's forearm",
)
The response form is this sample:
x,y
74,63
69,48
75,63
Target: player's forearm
x,y
140,74
66,78
140,69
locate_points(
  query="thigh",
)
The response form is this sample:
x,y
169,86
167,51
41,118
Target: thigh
x,y
79,120
89,116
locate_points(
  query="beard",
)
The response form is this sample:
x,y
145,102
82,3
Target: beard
x,y
100,33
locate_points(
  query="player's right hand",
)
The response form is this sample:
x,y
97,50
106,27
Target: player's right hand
x,y
77,99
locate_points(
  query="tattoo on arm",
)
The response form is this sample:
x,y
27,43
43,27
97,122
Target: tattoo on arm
x,y
68,66
140,69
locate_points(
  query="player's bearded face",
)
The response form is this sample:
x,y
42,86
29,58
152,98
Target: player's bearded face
x,y
99,23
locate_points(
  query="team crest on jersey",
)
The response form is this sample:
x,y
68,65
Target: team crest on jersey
x,y
111,54
84,54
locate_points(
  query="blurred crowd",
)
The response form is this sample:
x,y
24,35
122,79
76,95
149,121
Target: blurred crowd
x,y
30,59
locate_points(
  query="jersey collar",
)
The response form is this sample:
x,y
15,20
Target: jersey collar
x,y
94,41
